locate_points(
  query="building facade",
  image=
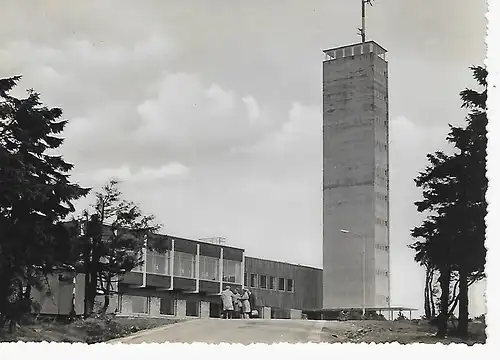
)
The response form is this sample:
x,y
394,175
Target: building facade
x,y
186,279
283,288
355,177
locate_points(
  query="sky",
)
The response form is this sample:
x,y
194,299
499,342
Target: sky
x,y
211,111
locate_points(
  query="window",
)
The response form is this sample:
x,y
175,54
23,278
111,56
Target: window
x,y
167,305
245,279
140,305
157,263
281,284
192,308
231,271
382,247
272,283
253,280
183,265
263,282
382,272
290,285
209,268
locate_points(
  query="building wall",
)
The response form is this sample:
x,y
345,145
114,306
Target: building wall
x,y
354,127
55,298
151,291
307,284
185,279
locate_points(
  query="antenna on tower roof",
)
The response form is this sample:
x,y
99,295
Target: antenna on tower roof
x,y
362,29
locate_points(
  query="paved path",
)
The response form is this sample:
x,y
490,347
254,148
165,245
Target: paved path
x,y
216,331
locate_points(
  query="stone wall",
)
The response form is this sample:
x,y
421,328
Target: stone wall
x,y
154,309
205,310
180,308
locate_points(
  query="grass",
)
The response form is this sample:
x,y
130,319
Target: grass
x,y
90,331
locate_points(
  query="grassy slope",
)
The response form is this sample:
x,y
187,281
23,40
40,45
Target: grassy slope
x,y
88,331
404,332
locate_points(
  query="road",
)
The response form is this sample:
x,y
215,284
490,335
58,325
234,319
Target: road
x,y
214,331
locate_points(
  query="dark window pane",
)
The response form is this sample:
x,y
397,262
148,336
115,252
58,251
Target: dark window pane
x,y
192,308
140,305
253,280
281,284
272,283
263,282
167,305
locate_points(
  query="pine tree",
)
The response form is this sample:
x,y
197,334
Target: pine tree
x,y
471,142
115,238
35,197
454,188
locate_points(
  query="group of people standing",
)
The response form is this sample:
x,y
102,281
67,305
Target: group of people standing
x,y
237,304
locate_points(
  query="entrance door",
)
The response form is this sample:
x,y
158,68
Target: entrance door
x,y
215,310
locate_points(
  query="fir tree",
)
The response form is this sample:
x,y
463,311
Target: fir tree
x,y
35,197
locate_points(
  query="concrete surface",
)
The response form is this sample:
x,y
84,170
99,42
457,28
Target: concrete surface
x,y
216,331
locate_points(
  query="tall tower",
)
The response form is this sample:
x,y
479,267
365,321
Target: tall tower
x,y
355,177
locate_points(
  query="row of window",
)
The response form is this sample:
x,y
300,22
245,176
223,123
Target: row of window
x,y
379,70
382,272
380,146
380,79
381,196
380,95
357,122
382,247
381,170
354,50
270,283
184,266
381,181
379,221
380,121
142,305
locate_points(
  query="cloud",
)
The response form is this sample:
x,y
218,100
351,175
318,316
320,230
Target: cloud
x,y
299,136
124,173
187,115
252,109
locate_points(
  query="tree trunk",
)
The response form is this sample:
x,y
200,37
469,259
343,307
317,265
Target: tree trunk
x,y
5,282
463,304
453,299
444,282
427,294
106,295
432,290
94,264
86,259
